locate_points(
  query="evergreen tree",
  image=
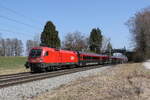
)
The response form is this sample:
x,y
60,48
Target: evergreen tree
x,y
49,36
95,40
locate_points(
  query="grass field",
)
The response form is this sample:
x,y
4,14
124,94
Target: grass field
x,y
9,65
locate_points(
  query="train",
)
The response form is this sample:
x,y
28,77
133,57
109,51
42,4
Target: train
x,y
43,59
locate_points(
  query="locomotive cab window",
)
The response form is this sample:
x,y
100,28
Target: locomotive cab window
x,y
35,53
46,53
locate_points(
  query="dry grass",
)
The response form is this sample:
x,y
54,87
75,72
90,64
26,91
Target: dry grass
x,y
123,82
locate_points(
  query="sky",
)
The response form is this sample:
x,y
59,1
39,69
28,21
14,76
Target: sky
x,y
23,19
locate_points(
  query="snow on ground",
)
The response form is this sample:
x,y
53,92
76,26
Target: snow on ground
x,y
147,64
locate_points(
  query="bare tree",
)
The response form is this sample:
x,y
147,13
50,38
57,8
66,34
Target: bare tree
x,y
11,47
109,46
30,44
139,26
17,47
37,40
20,48
75,41
8,47
3,47
105,43
0,45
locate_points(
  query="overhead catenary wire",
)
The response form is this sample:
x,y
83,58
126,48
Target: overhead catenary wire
x,y
14,32
18,13
33,27
19,22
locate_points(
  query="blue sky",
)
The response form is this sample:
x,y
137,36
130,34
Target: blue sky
x,y
69,16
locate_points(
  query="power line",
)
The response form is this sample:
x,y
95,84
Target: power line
x,y
7,26
17,13
19,22
15,32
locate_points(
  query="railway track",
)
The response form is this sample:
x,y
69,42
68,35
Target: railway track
x,y
13,79
14,75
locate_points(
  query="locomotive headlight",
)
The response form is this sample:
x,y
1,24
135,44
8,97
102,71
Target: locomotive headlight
x,y
40,60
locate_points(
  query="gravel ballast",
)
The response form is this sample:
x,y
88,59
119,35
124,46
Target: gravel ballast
x,y
28,90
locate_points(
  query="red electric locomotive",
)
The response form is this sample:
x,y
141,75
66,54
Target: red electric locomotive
x,y
45,59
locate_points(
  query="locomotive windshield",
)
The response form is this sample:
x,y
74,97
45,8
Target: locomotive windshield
x,y
35,53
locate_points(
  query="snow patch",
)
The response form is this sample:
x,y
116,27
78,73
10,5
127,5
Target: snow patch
x,y
147,64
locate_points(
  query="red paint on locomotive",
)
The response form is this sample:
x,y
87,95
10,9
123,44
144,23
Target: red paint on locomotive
x,y
51,55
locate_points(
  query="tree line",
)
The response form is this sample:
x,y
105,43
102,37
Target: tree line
x,y
11,47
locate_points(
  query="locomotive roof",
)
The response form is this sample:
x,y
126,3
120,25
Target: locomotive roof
x,y
47,48
93,54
